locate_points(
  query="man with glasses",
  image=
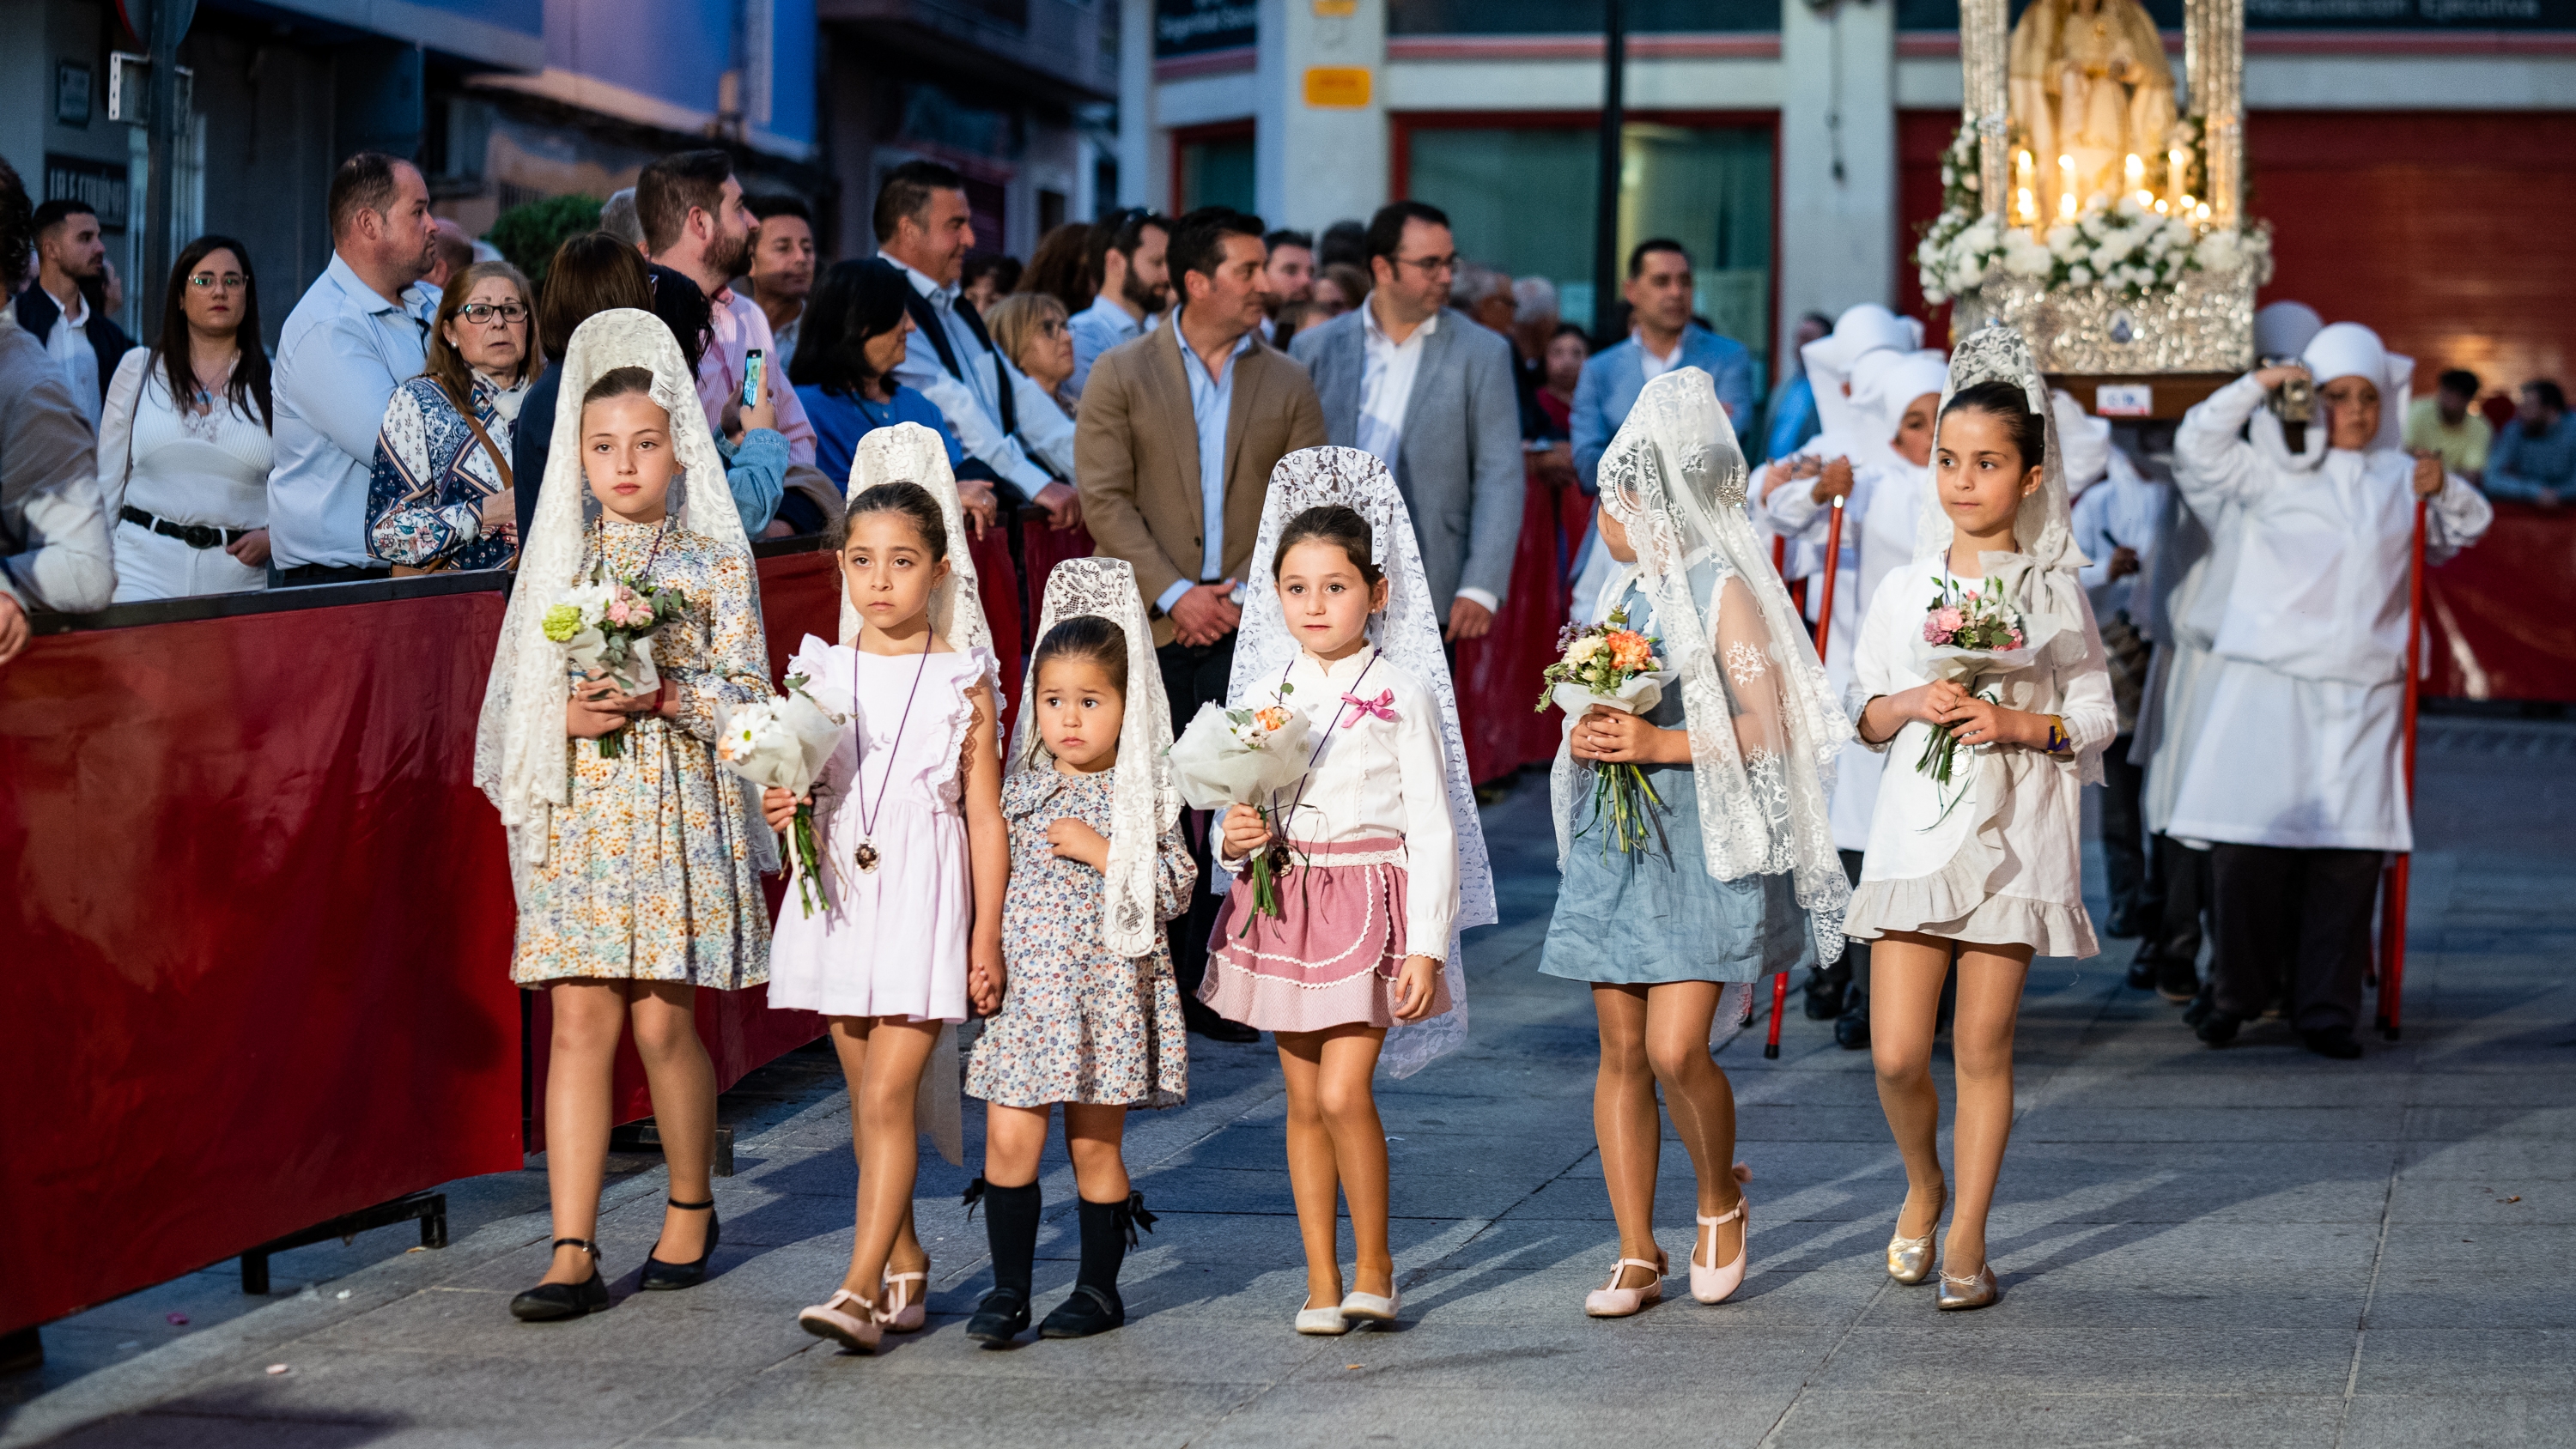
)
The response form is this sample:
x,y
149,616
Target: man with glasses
x,y
359,331
1130,267
1419,384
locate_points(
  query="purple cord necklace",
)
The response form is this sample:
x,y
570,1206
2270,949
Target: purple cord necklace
x,y
1317,753
866,855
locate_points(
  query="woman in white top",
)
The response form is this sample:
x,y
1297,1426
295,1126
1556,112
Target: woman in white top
x,y
183,445
1985,868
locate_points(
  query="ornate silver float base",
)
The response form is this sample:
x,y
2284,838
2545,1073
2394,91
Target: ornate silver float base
x,y
2205,324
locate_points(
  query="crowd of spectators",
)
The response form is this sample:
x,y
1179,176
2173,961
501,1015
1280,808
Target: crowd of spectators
x,y
403,420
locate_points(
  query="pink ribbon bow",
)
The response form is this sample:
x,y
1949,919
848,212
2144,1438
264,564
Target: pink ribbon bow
x,y
1383,707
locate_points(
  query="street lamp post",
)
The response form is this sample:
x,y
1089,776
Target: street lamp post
x,y
1605,221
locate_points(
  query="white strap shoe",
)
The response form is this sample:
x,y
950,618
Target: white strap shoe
x,y
1612,1301
1712,1284
906,1310
846,1319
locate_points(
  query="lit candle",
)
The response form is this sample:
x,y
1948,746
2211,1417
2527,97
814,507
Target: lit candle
x,y
2148,198
2065,187
2177,170
2066,206
2026,208
2135,169
2201,211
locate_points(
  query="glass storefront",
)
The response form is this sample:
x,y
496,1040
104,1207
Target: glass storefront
x,y
1521,198
1214,170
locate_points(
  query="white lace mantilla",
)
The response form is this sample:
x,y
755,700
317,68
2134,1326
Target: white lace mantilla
x,y
1674,479
1408,633
1146,799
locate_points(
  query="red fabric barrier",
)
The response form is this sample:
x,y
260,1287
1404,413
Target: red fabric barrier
x,y
2500,613
999,580
256,919
1498,675
1041,549
265,919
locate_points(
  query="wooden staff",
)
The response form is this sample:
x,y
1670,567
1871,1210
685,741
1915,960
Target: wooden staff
x,y
2392,897
1824,632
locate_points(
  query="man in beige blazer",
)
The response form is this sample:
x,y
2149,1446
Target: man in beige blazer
x,y
1176,437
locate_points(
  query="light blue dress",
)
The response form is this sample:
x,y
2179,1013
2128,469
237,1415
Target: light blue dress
x,y
1640,920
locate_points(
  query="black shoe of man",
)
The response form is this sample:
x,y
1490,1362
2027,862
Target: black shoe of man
x,y
2218,1028
2332,1041
1202,1019
2203,1002
1851,1029
2177,981
1825,997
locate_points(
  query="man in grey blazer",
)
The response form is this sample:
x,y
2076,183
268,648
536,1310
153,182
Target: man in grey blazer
x,y
1423,387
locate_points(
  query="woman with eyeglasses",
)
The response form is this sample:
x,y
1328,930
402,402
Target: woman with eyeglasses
x,y
443,495
1034,332
183,443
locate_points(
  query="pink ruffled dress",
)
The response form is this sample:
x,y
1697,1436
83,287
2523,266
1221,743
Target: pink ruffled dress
x,y
891,941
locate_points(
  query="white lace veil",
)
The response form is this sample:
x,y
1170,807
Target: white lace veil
x,y
520,754
1407,632
1674,478
2041,579
911,453
1147,799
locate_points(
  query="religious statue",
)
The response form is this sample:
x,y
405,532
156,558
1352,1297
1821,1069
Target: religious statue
x,y
2092,101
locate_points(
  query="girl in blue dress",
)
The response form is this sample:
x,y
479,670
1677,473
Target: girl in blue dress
x,y
1739,878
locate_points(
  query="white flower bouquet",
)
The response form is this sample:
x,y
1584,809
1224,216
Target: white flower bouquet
x,y
1243,757
1616,667
605,626
782,744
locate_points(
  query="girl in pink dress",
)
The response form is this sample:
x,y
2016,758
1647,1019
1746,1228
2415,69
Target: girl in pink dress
x,y
914,853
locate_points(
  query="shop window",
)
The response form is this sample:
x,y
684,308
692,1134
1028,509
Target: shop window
x,y
1212,166
1521,198
1558,17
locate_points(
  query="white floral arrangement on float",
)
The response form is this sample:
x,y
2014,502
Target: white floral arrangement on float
x,y
2133,244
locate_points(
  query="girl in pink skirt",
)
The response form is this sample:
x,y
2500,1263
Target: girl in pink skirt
x,y
1370,850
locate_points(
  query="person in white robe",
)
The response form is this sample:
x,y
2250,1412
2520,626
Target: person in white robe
x,y
2290,767
1886,424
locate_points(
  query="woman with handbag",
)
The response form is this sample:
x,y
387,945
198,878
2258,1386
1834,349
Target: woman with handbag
x,y
442,495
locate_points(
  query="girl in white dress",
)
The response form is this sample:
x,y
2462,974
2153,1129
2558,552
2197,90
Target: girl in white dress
x,y
1986,870
914,853
1386,858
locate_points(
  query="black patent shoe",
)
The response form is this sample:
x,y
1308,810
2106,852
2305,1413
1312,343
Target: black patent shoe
x,y
2218,1028
1092,1309
554,1302
2331,1041
2145,969
1825,998
2203,1002
1000,1318
1851,1029
661,1277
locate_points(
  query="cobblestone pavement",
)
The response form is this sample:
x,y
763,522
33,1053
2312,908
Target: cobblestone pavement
x,y
2253,1246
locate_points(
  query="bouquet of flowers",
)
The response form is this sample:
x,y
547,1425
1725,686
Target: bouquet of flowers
x,y
606,625
1969,631
1612,665
782,744
1241,757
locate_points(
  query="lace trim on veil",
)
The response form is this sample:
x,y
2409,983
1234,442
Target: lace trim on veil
x,y
1409,633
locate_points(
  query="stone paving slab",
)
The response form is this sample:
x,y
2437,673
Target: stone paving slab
x,y
2248,1247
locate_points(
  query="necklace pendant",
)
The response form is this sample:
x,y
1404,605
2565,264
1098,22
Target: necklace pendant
x,y
867,856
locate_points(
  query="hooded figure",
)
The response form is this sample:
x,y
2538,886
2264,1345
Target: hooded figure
x,y
2283,708
692,913
1995,857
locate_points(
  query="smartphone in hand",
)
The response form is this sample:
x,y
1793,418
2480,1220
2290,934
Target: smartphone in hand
x,y
751,366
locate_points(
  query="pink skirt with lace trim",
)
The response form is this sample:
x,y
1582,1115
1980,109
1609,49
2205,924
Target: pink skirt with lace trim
x,y
1332,960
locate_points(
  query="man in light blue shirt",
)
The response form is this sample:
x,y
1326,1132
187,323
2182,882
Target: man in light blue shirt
x,y
2533,458
1019,446
1135,287
360,331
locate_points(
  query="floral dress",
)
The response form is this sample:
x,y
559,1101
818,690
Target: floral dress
x,y
649,872
1077,1023
425,496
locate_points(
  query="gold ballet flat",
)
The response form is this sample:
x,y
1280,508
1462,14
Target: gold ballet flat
x,y
1909,1260
1975,1291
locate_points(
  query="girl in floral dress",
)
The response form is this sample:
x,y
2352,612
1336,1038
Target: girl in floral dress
x,y
914,853
637,871
1092,1018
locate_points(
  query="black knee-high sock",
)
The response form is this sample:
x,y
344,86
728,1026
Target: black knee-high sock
x,y
1108,1228
1011,1228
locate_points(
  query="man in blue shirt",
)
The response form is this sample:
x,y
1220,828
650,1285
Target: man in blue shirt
x,y
2533,458
1130,253
1661,337
360,331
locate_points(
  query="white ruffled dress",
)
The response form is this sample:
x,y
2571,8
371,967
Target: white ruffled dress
x,y
892,941
2004,865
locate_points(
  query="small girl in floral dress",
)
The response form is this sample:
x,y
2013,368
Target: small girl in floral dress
x,y
1091,1016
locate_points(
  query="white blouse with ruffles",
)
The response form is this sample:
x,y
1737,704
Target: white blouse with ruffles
x,y
1376,777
